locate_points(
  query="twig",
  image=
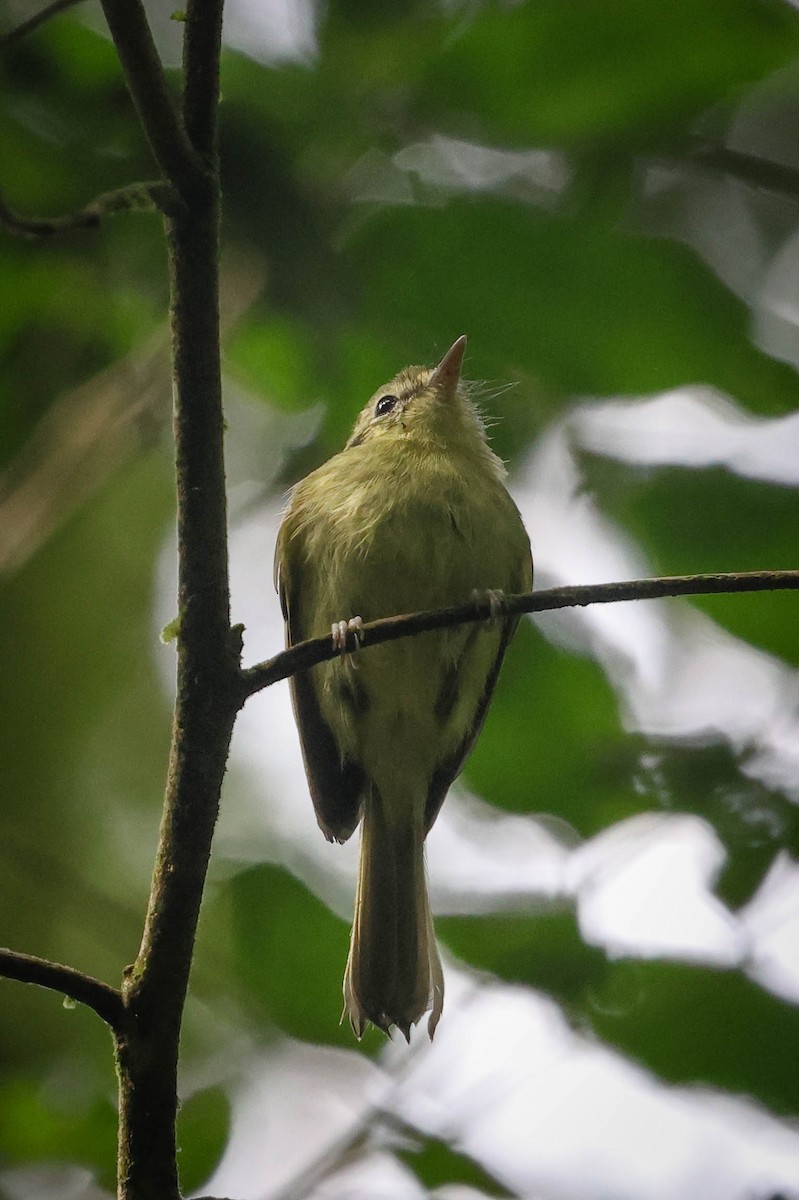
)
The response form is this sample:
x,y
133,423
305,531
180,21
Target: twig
x,y
308,654
758,172
25,27
136,197
152,98
26,968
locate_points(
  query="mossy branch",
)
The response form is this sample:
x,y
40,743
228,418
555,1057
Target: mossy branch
x,y
135,197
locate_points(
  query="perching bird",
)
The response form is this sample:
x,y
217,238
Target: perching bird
x,y
412,514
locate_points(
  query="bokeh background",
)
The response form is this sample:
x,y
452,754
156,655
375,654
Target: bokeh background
x,y
615,875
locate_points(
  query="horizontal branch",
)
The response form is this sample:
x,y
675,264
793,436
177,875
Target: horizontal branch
x,y
138,197
308,654
25,968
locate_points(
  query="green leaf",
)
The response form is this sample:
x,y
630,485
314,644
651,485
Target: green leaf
x,y
753,822
552,742
711,519
437,1164
272,355
202,1130
290,952
590,69
40,1123
571,300
544,950
696,1024
686,1022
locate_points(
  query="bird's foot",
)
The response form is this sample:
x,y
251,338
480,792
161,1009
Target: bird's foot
x,y
495,597
341,631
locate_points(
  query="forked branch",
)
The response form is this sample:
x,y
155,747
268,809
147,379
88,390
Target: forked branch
x,y
149,89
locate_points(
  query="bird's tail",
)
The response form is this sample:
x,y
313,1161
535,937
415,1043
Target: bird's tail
x,y
393,971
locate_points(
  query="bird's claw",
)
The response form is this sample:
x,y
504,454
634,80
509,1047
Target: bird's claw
x,y
495,597
341,631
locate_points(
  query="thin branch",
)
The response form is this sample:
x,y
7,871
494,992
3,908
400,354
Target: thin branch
x,y
152,98
26,968
136,197
758,172
308,654
39,18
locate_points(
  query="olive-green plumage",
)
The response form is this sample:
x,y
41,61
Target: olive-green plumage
x,y
413,514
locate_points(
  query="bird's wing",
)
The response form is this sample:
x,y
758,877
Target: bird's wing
x,y
449,769
336,785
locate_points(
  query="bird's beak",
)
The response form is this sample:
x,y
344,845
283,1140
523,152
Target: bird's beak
x,y
448,372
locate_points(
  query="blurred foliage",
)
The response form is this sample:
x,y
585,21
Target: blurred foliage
x,y
541,750
289,951
436,1164
66,1125
545,951
664,1014
375,252
202,1132
711,520
670,1021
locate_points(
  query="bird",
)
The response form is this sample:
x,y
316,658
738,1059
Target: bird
x,y
413,514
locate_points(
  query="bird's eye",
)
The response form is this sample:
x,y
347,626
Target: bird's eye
x,y
385,405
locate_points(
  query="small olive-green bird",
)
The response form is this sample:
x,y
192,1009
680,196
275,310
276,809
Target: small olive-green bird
x,y
412,514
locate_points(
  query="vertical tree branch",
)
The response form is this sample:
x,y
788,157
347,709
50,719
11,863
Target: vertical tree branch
x,y
207,693
201,50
